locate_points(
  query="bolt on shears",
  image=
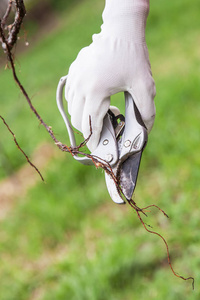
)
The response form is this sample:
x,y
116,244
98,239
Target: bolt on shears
x,y
121,145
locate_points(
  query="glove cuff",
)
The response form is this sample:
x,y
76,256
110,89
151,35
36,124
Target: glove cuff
x,y
125,19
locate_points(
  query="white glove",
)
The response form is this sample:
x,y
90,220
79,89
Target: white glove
x,y
116,61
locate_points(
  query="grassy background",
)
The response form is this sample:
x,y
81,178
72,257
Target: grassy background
x,y
66,239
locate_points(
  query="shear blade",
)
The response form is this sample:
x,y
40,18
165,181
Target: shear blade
x,y
112,189
129,174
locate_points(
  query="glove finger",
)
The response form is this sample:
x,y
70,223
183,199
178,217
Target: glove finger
x,y
69,96
76,111
144,100
94,113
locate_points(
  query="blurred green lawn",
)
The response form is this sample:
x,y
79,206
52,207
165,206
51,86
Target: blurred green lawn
x,y
66,239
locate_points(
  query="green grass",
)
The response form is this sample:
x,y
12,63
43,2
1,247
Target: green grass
x,y
66,239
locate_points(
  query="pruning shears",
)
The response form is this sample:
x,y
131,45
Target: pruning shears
x,y
121,145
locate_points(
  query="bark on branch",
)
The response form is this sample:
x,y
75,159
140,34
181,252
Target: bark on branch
x,y
13,29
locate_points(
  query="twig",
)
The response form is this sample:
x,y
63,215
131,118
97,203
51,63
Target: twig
x,y
165,242
6,15
153,205
18,146
13,29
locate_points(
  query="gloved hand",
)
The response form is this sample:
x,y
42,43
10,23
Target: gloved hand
x,y
116,61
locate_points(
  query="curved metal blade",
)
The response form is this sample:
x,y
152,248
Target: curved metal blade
x,y
112,189
129,173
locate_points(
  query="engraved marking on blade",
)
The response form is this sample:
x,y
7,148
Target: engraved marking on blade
x,y
137,142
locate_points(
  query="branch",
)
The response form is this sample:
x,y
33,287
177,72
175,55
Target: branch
x,y
165,242
28,160
13,29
